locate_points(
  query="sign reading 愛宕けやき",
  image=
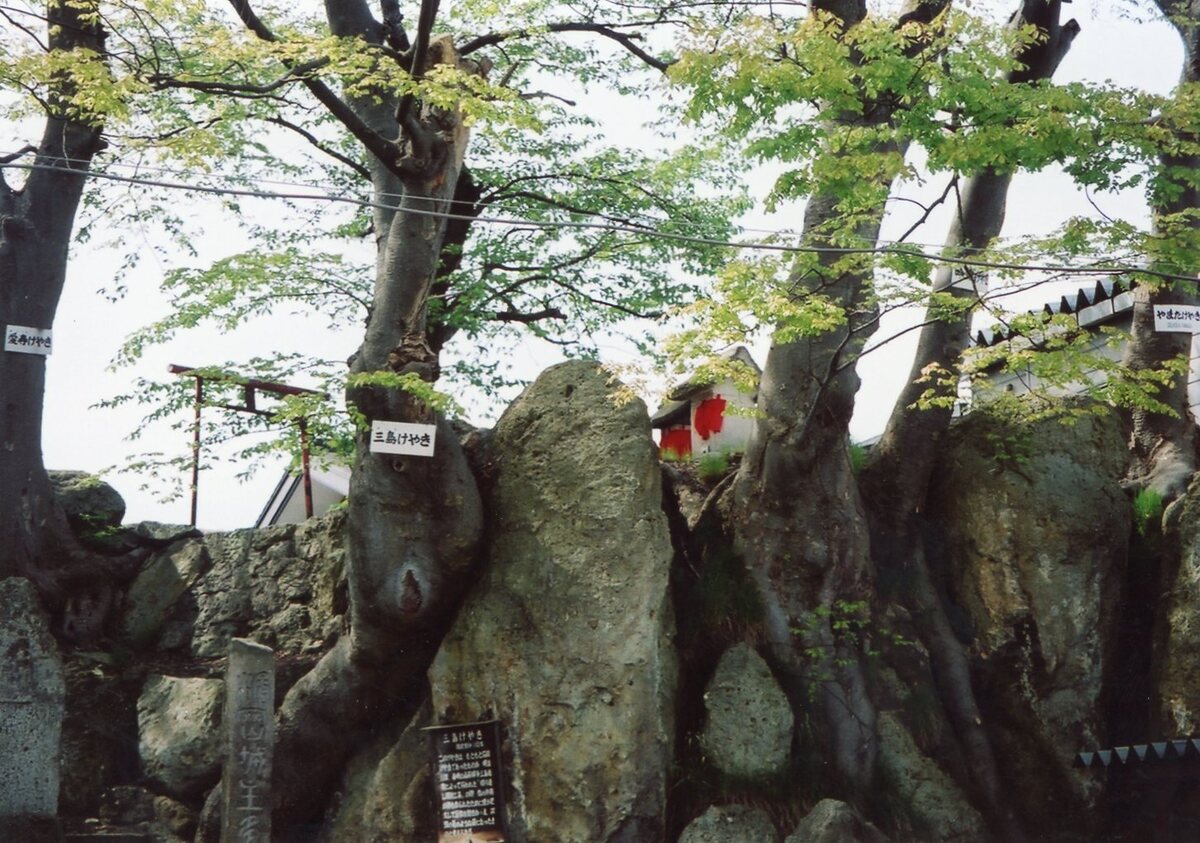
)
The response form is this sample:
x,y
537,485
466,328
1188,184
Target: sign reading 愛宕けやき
x,y
403,438
1182,318
26,340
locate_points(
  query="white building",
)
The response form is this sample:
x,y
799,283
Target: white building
x,y
707,418
1104,302
330,486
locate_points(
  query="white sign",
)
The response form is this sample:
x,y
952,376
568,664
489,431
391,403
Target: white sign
x,y
401,438
1177,318
27,340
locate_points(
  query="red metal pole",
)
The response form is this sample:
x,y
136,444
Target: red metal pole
x,y
308,496
196,448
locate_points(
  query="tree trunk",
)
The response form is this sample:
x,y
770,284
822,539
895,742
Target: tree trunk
x,y
36,223
798,520
896,479
415,522
1163,446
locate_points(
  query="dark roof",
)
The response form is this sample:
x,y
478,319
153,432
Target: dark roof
x,y
1178,749
1103,289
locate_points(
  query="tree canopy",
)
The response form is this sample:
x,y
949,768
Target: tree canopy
x,y
463,196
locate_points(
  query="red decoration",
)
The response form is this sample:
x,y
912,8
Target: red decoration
x,y
710,416
676,441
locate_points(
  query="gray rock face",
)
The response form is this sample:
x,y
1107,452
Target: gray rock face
x,y
1034,555
164,577
730,824
87,500
831,821
31,705
567,637
282,586
387,792
937,807
179,735
749,724
1178,679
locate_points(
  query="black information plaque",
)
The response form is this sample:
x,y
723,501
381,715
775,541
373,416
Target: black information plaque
x,y
468,782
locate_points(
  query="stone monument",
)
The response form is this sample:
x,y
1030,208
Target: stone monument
x,y
31,712
249,743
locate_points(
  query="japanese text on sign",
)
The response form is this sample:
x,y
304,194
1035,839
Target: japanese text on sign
x,y
1183,318
253,761
401,438
27,340
468,782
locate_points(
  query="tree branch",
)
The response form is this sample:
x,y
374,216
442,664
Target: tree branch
x,y
629,42
25,150
393,25
294,74
527,318
376,144
420,54
316,142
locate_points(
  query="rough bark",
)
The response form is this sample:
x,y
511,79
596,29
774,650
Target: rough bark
x,y
897,474
36,222
896,479
414,522
797,515
1164,446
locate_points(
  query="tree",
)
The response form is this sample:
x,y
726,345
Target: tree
x,y
813,535
404,99
36,221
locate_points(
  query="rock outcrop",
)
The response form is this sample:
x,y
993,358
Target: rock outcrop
x,y
831,821
282,586
749,723
1034,527
725,823
179,736
567,637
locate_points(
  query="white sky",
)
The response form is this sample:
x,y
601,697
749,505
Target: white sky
x,y
88,329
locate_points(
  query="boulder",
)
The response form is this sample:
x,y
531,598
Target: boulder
x,y
387,791
566,638
1177,678
749,722
935,807
730,824
179,735
1034,530
89,503
164,577
831,821
31,706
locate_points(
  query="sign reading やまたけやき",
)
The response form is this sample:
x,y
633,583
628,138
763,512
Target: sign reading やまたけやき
x,y
1177,318
26,340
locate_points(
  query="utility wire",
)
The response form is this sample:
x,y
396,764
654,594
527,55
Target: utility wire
x,y
607,227
174,171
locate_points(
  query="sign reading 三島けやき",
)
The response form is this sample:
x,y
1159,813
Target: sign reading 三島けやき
x,y
1181,318
402,438
26,340
468,782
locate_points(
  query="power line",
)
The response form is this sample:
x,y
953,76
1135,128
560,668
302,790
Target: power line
x,y
606,226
